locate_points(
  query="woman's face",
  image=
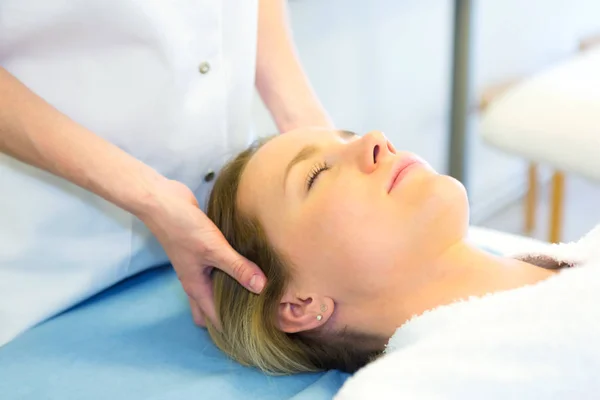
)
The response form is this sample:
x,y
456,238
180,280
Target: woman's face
x,y
359,222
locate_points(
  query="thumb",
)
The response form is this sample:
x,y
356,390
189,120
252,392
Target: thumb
x,y
242,270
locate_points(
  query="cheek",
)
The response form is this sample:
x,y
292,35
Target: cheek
x,y
435,205
345,243
361,242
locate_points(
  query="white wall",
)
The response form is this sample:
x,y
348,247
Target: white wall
x,y
379,65
385,64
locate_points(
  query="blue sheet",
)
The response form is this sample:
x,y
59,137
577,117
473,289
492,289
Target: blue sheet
x,y
137,341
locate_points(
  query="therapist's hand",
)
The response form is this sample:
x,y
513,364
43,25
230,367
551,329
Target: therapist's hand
x,y
54,143
195,246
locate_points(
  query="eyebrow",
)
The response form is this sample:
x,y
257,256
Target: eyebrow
x,y
310,150
346,134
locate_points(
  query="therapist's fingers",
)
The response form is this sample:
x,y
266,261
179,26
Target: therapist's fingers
x,y
201,293
197,313
241,269
218,253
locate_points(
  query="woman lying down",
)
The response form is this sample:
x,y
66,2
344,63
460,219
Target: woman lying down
x,y
365,252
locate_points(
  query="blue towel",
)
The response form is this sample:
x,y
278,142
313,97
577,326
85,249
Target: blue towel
x,y
137,341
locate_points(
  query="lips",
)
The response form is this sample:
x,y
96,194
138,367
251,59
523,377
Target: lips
x,y
400,170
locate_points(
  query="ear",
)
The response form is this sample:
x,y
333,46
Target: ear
x,y
303,312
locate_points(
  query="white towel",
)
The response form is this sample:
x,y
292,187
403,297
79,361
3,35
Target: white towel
x,y
537,342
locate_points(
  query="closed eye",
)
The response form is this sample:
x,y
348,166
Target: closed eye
x,y
314,174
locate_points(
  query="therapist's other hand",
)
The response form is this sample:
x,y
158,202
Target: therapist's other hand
x,y
195,246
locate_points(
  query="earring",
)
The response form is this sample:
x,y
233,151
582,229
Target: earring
x,y
319,317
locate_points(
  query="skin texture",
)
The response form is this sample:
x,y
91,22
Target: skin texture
x,y
363,256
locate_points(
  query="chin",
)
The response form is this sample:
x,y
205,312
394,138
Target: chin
x,y
455,188
457,203
452,204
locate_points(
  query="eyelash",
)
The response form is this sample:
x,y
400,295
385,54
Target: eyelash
x,y
314,173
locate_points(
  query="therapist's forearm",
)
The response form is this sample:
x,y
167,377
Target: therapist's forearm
x,y
280,78
34,132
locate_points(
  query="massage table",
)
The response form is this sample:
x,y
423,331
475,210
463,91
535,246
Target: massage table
x,y
550,118
137,340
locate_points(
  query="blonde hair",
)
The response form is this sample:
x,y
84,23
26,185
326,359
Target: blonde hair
x,y
249,333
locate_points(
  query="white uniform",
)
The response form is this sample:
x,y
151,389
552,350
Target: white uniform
x,y
170,82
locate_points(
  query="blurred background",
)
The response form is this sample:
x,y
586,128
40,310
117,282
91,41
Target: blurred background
x,y
387,65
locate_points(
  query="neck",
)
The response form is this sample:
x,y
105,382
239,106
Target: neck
x,y
462,271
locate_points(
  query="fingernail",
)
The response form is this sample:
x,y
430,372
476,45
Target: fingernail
x,y
257,283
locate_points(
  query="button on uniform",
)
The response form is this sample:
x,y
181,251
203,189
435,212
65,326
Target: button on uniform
x,y
210,175
204,67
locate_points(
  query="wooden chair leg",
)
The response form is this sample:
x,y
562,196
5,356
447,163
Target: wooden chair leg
x,y
531,199
556,206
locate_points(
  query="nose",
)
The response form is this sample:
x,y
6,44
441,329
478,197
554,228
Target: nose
x,y
374,148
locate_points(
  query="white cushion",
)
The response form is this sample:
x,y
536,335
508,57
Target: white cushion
x,y
552,118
